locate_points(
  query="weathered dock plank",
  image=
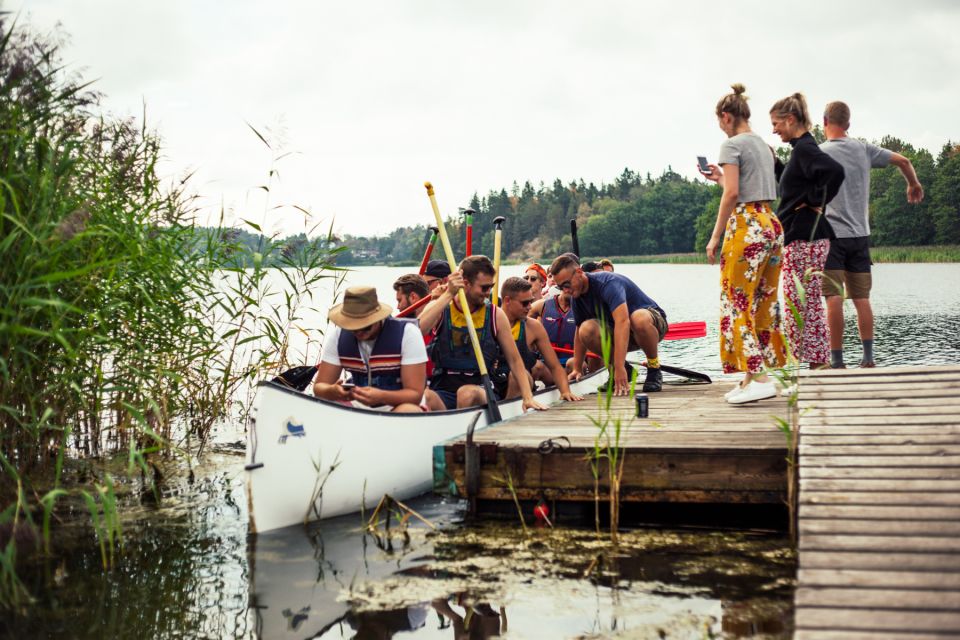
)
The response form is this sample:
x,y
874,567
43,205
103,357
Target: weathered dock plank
x,y
693,447
879,504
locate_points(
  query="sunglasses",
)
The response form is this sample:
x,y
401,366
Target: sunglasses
x,y
365,329
532,278
486,288
566,285
526,303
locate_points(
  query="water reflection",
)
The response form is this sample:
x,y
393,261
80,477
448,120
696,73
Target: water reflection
x,y
461,582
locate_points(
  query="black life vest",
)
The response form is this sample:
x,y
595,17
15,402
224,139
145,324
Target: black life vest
x,y
528,357
454,363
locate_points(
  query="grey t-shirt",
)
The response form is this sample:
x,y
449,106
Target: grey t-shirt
x,y
755,159
849,211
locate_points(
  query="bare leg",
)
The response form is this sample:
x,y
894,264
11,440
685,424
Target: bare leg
x,y
644,332
835,320
513,389
864,317
407,407
542,373
434,403
471,395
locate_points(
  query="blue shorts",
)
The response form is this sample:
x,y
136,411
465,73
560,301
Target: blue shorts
x,y
450,397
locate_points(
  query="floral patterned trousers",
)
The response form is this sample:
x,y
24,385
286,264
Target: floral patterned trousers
x,y
750,337
804,261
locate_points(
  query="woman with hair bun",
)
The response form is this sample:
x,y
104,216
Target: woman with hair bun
x,y
750,337
810,180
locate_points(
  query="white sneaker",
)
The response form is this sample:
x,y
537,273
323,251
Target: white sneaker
x,y
755,391
729,394
788,390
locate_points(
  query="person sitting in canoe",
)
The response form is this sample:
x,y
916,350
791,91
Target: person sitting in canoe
x,y
456,375
385,355
410,289
436,274
516,297
537,277
612,298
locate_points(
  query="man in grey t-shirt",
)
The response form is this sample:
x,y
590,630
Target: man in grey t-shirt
x,y
848,264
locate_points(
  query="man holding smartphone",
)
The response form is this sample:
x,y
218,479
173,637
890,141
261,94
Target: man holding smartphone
x,y
386,356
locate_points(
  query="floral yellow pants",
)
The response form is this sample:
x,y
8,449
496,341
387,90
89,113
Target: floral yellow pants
x,y
750,336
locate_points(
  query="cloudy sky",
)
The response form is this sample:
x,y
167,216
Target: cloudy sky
x,y
373,98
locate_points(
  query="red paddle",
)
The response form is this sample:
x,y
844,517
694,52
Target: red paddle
x,y
426,254
683,330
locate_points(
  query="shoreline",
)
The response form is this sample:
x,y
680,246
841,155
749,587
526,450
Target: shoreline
x,y
931,254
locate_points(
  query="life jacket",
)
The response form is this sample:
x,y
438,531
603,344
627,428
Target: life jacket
x,y
528,357
454,363
561,326
384,370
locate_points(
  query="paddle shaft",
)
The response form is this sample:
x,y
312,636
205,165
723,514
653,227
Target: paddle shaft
x,y
469,214
419,304
492,408
497,240
677,371
428,251
574,238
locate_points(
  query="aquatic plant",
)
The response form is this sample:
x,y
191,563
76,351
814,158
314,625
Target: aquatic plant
x,y
607,447
124,328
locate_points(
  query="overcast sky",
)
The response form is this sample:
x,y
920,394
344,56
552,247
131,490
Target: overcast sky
x,y
373,98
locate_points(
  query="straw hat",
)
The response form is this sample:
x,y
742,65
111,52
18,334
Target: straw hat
x,y
360,309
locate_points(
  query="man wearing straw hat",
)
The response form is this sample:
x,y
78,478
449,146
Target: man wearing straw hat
x,y
385,355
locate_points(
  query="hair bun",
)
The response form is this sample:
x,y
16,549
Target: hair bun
x,y
799,96
738,89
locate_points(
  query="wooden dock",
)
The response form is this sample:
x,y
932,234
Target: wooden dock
x,y
879,514
693,448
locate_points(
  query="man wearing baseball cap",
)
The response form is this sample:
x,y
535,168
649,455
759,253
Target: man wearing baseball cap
x,y
436,274
385,355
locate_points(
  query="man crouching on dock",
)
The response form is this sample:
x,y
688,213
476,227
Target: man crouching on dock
x,y
385,355
612,298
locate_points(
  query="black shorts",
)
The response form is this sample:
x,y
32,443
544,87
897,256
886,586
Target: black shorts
x,y
849,254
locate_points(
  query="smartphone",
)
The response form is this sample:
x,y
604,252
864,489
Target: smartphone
x,y
702,161
348,385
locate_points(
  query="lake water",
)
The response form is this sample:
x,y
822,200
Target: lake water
x,y
188,569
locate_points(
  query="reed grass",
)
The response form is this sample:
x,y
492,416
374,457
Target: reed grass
x,y
607,451
124,328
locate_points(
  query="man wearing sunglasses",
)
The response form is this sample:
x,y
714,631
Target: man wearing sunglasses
x,y
385,356
456,375
531,339
633,318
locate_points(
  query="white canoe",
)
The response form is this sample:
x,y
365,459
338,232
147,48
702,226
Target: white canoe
x,y
309,458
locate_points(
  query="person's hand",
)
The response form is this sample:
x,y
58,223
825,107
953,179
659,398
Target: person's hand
x,y
455,283
438,291
621,382
574,375
533,404
712,250
715,175
369,396
336,392
914,193
570,397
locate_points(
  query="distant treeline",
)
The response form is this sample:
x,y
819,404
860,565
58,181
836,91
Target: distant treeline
x,y
640,215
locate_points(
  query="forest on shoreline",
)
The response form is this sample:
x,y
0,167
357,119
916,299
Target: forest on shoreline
x,y
641,218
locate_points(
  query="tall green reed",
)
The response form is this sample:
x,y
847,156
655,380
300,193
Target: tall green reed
x,y
608,453
124,327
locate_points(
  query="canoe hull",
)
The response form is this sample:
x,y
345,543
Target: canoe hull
x,y
310,459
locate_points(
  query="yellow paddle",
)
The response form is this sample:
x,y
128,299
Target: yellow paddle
x,y
492,409
497,235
